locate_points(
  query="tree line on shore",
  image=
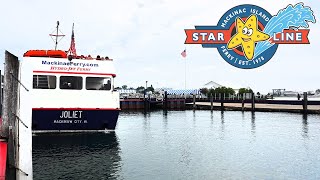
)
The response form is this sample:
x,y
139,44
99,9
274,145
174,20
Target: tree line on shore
x,y
225,90
205,91
140,89
219,90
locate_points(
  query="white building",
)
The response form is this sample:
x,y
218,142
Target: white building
x,y
211,85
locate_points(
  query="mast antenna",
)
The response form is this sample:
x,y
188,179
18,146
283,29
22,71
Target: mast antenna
x,y
72,50
55,37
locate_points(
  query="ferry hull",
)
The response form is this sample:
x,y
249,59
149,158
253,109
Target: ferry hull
x,y
74,119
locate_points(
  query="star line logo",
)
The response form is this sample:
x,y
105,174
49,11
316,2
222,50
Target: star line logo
x,y
247,36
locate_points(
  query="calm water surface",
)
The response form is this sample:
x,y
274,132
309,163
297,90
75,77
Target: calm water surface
x,y
187,145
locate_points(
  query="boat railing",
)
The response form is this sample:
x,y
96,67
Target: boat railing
x,y
91,58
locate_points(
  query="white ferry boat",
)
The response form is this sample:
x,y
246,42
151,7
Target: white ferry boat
x,y
71,93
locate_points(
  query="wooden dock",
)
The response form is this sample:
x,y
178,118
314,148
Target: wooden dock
x,y
313,109
138,104
226,102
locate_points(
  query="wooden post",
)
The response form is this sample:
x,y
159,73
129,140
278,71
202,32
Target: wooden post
x,y
145,99
211,101
242,102
148,101
222,106
10,102
165,100
194,101
305,102
184,103
253,102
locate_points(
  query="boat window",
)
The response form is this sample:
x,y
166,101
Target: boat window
x,y
71,82
44,82
98,83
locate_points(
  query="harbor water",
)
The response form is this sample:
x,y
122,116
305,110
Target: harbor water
x,y
186,145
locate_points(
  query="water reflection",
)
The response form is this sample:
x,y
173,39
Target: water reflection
x,y
305,126
165,120
253,122
242,115
228,150
146,122
211,118
222,117
194,118
74,156
222,125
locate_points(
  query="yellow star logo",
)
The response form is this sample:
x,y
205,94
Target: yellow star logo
x,y
247,35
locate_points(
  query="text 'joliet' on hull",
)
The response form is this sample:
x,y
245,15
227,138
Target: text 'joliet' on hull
x,y
71,93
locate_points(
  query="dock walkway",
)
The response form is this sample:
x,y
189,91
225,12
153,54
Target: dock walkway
x,y
258,107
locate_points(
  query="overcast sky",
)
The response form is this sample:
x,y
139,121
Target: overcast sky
x,y
145,39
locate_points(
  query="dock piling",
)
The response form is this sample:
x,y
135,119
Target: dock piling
x,y
252,102
222,105
211,101
9,128
165,102
242,107
148,102
194,101
305,102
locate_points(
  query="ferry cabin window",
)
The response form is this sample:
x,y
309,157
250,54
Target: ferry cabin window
x,y
44,82
98,83
71,82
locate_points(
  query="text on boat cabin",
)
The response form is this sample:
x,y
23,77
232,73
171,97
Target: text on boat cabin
x,y
71,93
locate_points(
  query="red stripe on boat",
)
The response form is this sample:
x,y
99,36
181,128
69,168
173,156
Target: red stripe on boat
x,y
73,109
3,159
67,72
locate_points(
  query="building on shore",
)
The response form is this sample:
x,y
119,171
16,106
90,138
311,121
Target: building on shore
x,y
214,85
211,85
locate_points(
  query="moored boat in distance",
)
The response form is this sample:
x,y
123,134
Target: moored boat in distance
x,y
71,93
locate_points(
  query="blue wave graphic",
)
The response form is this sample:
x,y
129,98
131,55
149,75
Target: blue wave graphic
x,y
290,17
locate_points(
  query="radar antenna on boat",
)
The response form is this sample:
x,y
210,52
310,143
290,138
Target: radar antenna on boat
x,y
55,37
